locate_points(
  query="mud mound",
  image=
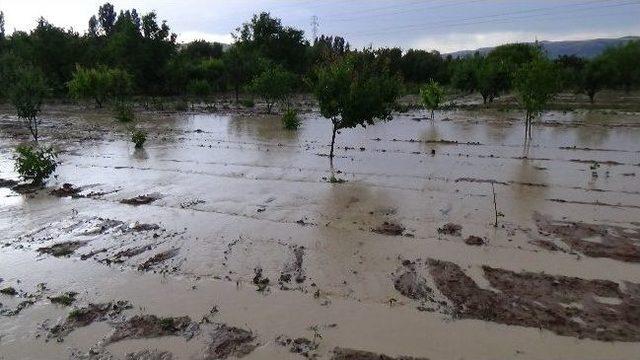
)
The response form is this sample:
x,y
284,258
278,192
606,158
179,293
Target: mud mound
x,y
149,355
450,229
86,316
594,309
474,241
62,249
612,242
140,200
229,341
151,326
350,354
302,346
293,269
389,228
412,285
66,190
4,183
157,259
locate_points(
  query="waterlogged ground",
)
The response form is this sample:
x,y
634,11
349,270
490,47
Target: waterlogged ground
x,y
229,237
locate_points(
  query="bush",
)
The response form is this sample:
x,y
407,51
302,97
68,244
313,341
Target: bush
x,y
100,84
248,103
34,163
138,137
290,120
181,105
124,112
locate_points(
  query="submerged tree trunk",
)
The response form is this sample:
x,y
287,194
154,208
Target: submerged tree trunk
x,y
237,92
32,124
333,138
592,96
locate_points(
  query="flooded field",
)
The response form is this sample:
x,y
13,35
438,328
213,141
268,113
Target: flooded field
x,y
229,237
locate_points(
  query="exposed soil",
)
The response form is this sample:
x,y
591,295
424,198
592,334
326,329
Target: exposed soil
x,y
157,259
151,326
350,354
67,190
65,299
474,240
450,229
6,183
293,270
389,228
300,345
227,341
62,249
82,317
412,285
140,200
149,355
565,305
599,241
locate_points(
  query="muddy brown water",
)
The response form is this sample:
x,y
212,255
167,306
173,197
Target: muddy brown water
x,y
232,194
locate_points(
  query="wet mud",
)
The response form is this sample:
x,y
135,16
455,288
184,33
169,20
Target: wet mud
x,y
350,354
230,342
593,240
151,326
594,309
86,316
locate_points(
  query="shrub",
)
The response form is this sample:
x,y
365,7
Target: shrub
x,y
432,95
27,93
100,84
34,163
124,112
290,120
248,103
138,137
181,105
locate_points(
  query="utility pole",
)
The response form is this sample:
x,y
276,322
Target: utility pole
x,y
315,23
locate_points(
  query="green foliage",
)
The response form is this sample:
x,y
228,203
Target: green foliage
x,y
493,77
181,105
290,120
100,84
596,75
248,103
124,112
27,94
35,164
432,96
138,137
65,299
536,83
353,91
273,85
624,59
199,89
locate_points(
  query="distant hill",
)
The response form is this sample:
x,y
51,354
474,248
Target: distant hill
x,y
582,48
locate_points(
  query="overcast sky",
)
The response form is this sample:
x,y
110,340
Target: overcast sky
x,y
444,25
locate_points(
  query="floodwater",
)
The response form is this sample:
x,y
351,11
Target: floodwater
x,y
357,263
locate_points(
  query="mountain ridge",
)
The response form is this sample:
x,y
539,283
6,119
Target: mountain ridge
x,y
588,48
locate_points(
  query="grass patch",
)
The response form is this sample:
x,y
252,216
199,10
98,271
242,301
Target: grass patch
x,y
65,299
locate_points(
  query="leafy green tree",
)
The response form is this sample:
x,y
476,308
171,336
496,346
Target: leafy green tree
x,y
465,74
492,78
201,49
625,61
536,84
432,96
419,66
241,64
596,75
271,40
34,163
100,84
274,85
571,70
27,94
352,92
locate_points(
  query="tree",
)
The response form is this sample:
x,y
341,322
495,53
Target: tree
x,y
625,62
1,25
271,40
596,75
100,84
492,78
536,83
27,94
240,64
352,92
273,85
107,18
432,95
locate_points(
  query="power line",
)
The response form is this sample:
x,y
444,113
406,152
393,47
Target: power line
x,y
463,22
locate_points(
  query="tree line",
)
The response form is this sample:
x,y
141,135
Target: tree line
x,y
124,52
